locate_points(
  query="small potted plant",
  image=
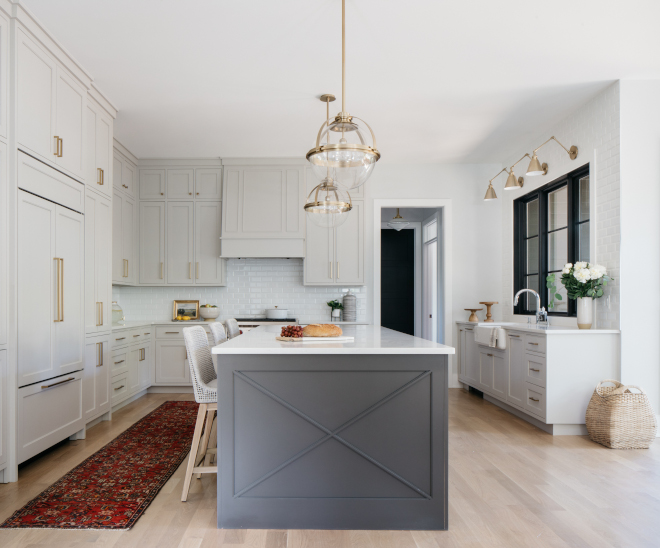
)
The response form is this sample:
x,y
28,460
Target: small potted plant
x,y
583,282
209,312
336,307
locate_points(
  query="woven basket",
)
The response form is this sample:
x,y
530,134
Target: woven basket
x,y
619,418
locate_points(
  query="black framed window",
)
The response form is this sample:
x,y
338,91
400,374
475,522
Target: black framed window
x,y
551,228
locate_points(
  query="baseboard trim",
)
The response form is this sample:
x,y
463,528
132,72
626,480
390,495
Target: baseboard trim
x,y
129,400
170,390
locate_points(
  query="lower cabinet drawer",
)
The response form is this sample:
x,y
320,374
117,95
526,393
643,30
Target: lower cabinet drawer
x,y
49,412
119,362
535,370
119,389
534,400
121,338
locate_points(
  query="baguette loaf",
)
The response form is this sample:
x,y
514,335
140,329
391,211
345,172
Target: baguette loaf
x,y
322,330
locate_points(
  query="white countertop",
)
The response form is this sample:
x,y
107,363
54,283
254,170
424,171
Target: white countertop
x,y
369,339
542,329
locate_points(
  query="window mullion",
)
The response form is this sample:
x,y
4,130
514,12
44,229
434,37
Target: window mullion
x,y
543,246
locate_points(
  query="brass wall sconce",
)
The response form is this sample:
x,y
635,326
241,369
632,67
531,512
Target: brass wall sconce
x,y
537,168
511,181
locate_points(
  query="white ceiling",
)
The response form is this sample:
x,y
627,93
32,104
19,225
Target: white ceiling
x,y
439,81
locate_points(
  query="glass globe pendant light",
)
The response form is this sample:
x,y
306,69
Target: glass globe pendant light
x,y
398,223
350,160
327,205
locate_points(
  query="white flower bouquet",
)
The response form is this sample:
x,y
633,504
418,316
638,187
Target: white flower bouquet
x,y
580,280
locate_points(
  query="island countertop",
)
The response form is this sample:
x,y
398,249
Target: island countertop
x,y
369,339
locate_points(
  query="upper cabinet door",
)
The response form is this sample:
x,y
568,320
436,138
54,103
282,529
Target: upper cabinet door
x,y
208,184
128,178
118,264
36,98
4,74
319,255
92,308
103,153
128,233
180,184
152,184
71,99
180,243
103,258
349,267
263,202
117,173
209,268
152,242
92,175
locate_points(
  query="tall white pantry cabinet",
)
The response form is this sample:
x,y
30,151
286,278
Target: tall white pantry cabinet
x,y
55,243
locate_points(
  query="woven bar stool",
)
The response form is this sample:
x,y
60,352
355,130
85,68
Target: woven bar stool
x,y
232,328
219,333
205,386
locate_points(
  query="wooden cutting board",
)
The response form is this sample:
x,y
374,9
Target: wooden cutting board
x,y
316,339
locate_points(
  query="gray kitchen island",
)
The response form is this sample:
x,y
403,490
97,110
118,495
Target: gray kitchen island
x,y
332,435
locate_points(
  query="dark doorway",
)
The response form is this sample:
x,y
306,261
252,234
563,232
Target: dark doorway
x,y
397,279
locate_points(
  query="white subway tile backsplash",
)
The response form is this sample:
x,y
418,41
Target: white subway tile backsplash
x,y
252,286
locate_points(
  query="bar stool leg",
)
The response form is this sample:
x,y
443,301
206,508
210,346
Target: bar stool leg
x,y
201,418
205,439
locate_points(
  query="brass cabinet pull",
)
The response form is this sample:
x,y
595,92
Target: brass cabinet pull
x,y
162,194
469,329
197,271
533,344
120,339
197,193
516,336
100,356
58,146
101,303
127,268
532,369
120,361
56,383
100,181
60,289
189,193
120,387
331,266
161,271
136,335
337,269
489,355
125,274
533,399
172,333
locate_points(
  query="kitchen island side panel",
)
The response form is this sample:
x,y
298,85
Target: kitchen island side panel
x,y
332,441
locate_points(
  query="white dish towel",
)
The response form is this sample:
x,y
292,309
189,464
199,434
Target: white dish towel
x,y
486,336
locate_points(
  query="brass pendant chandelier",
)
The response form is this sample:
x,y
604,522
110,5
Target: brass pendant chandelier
x,y
348,164
329,206
398,223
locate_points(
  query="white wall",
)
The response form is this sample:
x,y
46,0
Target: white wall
x,y
640,236
252,286
595,130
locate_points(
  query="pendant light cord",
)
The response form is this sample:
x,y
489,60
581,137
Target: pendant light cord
x,y
343,55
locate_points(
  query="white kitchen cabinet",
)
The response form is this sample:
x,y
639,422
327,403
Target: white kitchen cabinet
x,y
180,184
172,363
98,141
50,289
335,256
123,175
145,366
152,184
208,184
485,371
515,393
319,255
500,375
96,377
349,248
123,234
98,257
152,242
49,412
4,73
51,108
180,243
262,211
134,355
3,240
471,357
4,409
209,267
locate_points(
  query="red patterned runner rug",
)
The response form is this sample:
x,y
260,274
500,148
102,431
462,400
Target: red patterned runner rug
x,y
112,488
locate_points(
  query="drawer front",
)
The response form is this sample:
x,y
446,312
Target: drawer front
x,y
535,343
121,338
136,336
535,370
177,332
535,400
119,388
119,362
48,412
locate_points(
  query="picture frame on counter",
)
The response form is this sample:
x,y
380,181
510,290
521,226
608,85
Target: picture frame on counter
x,y
186,308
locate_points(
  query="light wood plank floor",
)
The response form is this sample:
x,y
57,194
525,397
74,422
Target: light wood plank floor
x,y
510,485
